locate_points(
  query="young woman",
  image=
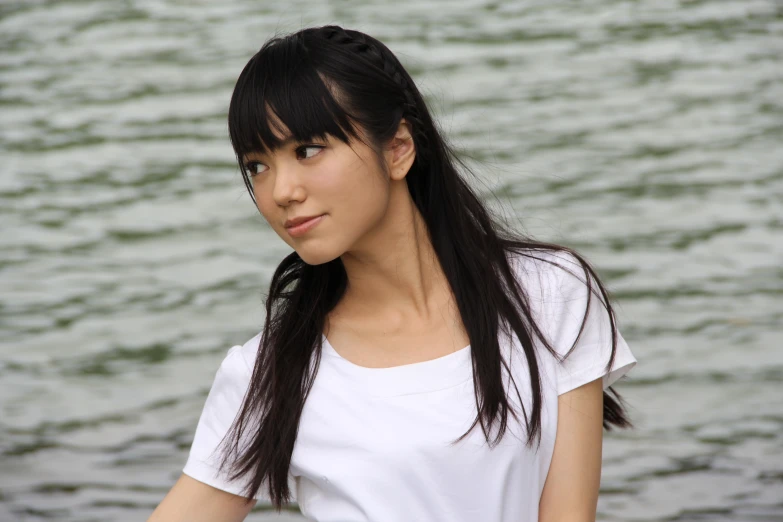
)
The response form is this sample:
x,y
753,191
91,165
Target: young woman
x,y
419,361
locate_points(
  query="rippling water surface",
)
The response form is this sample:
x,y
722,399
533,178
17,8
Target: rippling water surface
x,y
646,134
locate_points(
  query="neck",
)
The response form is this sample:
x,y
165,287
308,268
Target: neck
x,y
393,273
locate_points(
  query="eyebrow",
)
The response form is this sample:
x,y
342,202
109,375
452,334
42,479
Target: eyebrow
x,y
284,143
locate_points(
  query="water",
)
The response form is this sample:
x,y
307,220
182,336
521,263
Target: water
x,y
645,134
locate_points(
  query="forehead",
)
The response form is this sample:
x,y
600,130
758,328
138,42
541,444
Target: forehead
x,y
278,129
272,151
281,133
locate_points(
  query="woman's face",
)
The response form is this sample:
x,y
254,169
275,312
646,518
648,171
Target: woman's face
x,y
344,184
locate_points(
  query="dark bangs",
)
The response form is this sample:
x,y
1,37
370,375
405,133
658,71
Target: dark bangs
x,y
282,78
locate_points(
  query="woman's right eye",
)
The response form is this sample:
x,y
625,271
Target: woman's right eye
x,y
254,167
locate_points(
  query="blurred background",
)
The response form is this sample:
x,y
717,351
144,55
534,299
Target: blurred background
x,y
646,134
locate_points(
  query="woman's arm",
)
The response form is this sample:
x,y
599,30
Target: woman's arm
x,y
192,501
571,489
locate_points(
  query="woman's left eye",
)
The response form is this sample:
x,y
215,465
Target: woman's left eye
x,y
303,150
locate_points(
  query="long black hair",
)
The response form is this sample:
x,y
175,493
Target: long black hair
x,y
330,80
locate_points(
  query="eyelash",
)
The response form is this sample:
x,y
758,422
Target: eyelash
x,y
249,165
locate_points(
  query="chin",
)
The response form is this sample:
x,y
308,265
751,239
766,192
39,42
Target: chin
x,y
316,256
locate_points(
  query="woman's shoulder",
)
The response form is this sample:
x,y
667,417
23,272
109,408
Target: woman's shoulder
x,y
236,367
573,318
555,284
230,382
241,358
546,274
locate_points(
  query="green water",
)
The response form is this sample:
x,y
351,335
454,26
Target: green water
x,y
646,134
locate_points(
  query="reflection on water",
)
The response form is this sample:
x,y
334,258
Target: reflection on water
x,y
645,134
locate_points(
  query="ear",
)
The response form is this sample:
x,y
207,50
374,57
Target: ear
x,y
400,152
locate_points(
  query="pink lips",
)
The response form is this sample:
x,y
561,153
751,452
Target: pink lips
x,y
305,226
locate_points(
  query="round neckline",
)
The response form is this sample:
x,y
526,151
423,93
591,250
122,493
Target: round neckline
x,y
419,377
331,350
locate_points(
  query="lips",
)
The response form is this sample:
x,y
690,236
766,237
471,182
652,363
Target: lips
x,y
304,226
299,220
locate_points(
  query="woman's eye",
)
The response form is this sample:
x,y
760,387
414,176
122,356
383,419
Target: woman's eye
x,y
303,150
255,167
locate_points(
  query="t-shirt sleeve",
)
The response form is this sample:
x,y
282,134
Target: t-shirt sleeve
x,y
565,303
221,407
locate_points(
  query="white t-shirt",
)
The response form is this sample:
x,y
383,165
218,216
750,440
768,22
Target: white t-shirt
x,y
374,443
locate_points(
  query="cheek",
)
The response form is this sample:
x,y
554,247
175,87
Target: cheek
x,y
268,209
354,191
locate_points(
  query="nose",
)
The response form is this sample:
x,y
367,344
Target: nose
x,y
288,184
